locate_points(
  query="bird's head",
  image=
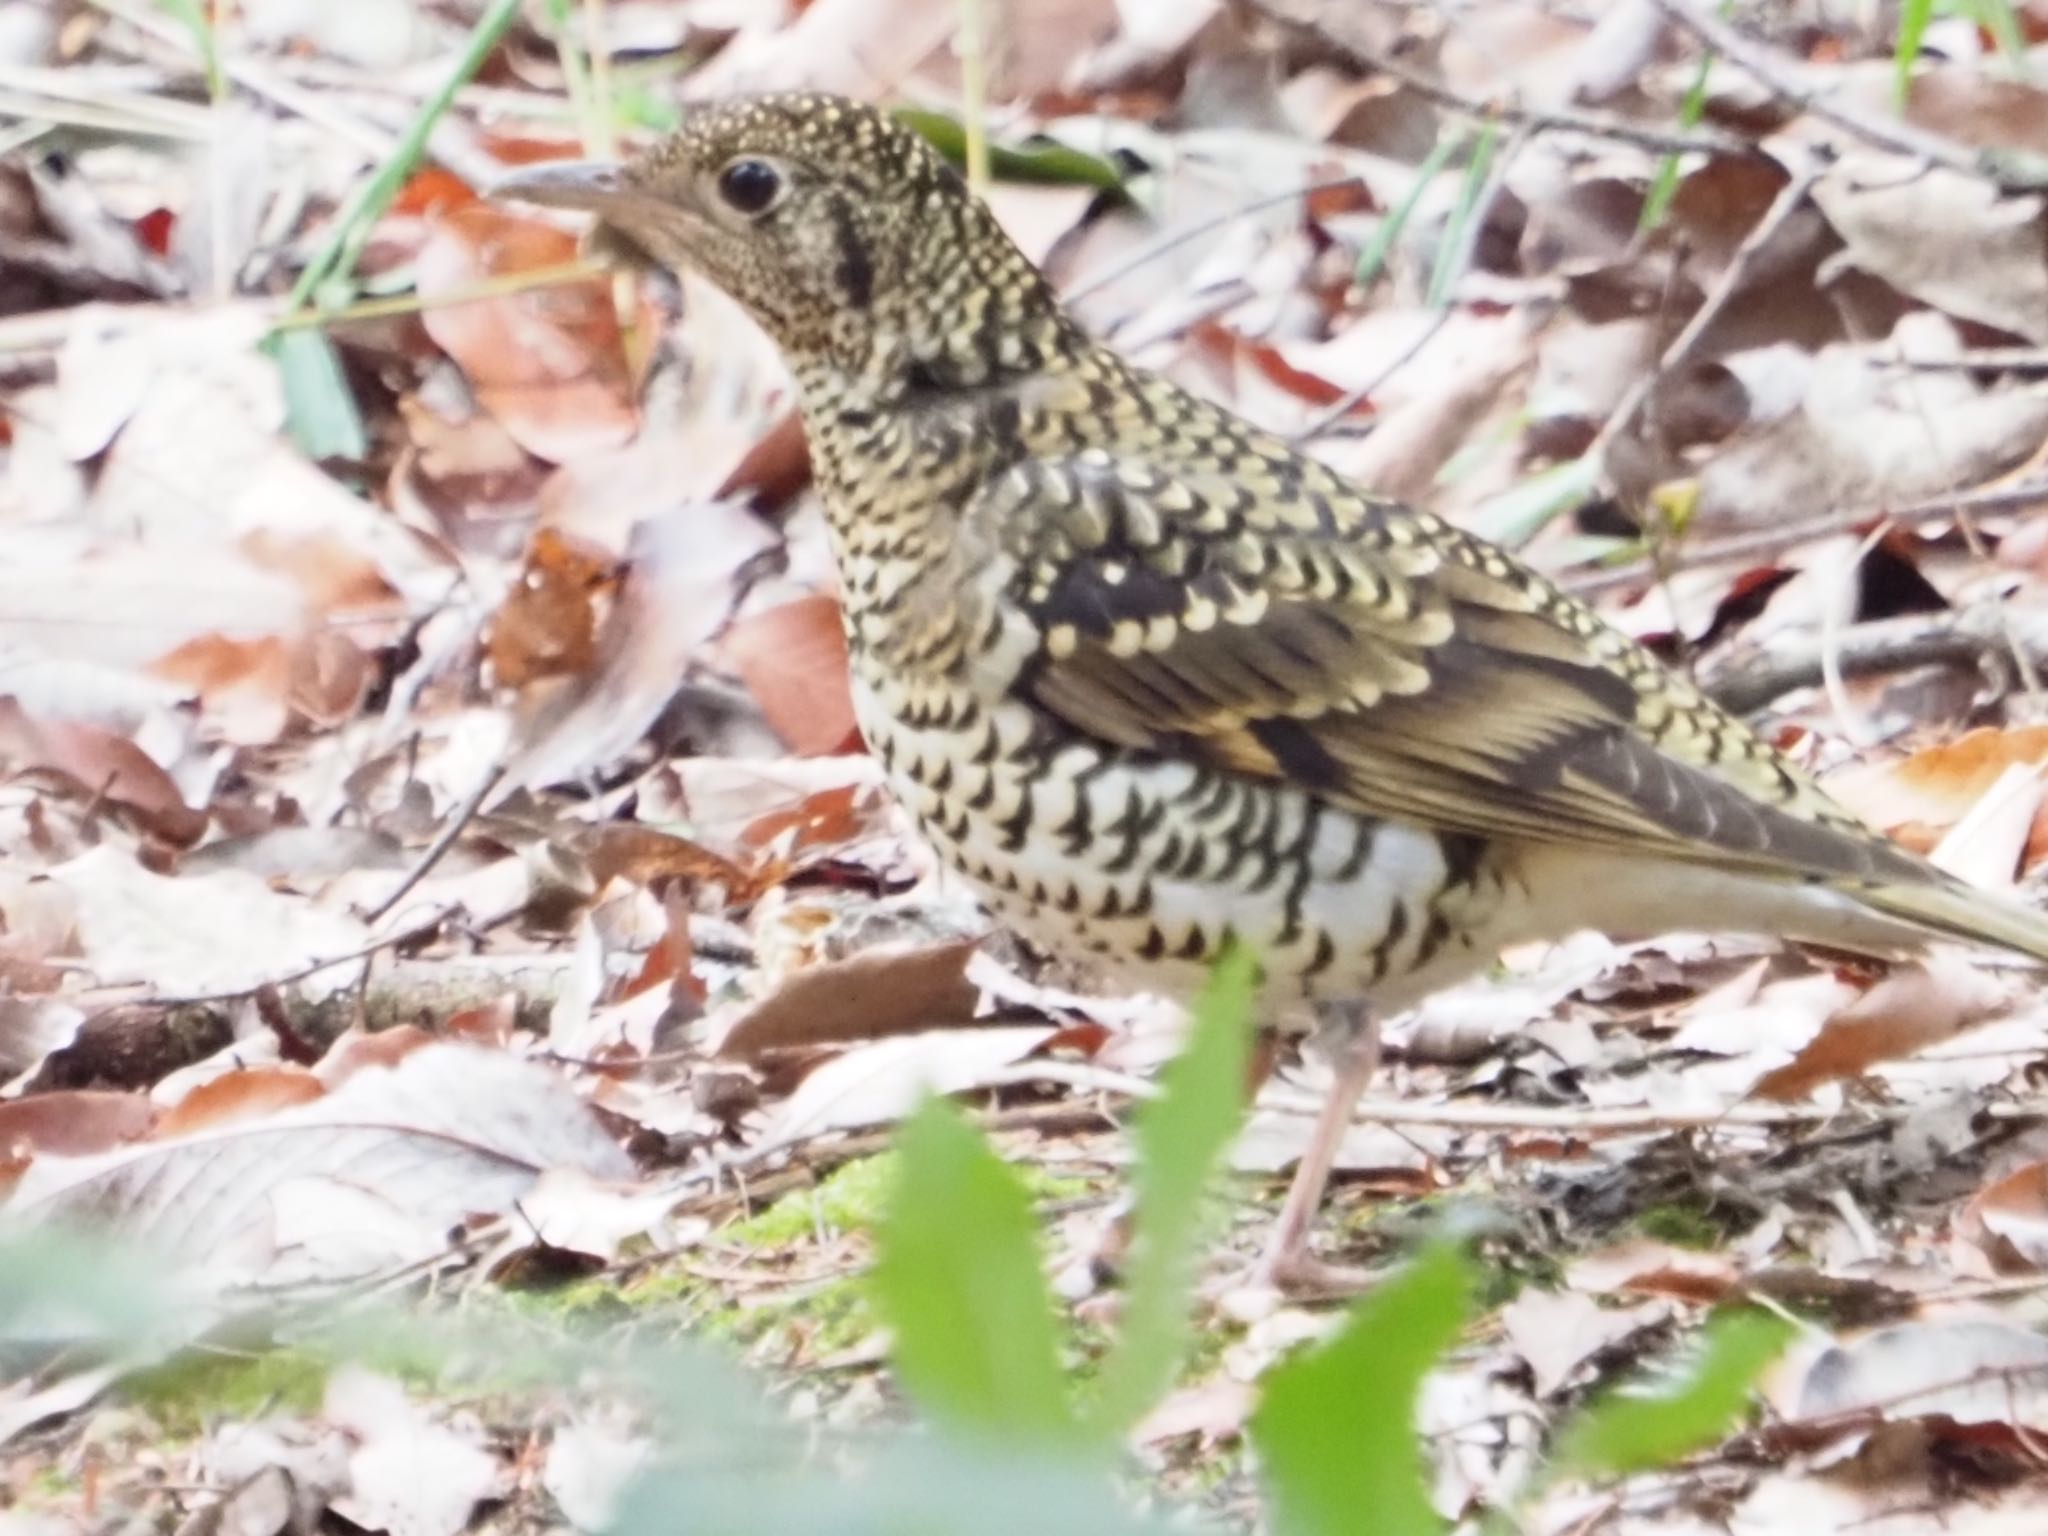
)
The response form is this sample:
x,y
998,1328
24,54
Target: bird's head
x,y
828,220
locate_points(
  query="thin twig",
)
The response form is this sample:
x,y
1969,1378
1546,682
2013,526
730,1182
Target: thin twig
x,y
1768,542
421,929
445,839
1337,410
1173,239
1798,660
1319,22
1482,210
1731,281
1786,78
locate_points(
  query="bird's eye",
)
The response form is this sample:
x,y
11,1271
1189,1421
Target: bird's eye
x,y
749,186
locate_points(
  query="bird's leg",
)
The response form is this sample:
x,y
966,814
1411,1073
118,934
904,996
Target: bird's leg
x,y
1287,1265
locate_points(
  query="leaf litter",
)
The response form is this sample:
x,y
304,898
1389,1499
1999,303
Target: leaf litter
x,y
444,857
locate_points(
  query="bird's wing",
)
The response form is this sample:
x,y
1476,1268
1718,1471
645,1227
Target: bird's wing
x,y
1249,609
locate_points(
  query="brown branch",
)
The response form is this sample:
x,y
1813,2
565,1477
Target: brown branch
x,y
1767,543
1785,78
1788,202
1800,660
1321,25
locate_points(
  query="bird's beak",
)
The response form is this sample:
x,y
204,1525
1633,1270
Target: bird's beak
x,y
597,185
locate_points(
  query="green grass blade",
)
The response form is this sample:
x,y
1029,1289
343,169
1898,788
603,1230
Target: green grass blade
x,y
1372,260
958,1278
1913,18
1456,246
1664,185
1634,1428
1336,1428
336,257
319,406
191,15
1525,509
1181,1139
1999,19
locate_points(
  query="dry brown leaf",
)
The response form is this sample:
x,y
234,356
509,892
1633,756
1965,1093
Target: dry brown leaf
x,y
2004,1228
547,626
883,1081
548,363
250,1093
678,587
1985,267
1644,1267
1922,795
373,1174
879,992
97,766
793,660
1907,1011
73,1123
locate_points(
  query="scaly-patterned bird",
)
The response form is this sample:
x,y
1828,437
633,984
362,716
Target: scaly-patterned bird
x,y
1154,681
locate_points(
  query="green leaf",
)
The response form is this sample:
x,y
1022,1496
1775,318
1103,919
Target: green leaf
x,y
336,256
1522,511
1454,251
1664,186
1039,159
1913,18
1638,1427
1373,258
1335,1429
319,406
192,16
958,1279
1181,1138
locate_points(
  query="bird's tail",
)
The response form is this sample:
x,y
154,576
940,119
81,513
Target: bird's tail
x,y
1958,912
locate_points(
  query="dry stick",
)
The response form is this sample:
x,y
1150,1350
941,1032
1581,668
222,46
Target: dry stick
x,y
1730,282
1318,29
1768,542
1784,77
1337,410
1863,650
1475,224
1174,239
458,820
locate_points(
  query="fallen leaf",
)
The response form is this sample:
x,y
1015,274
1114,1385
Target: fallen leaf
x,y
1556,1332
875,1084
73,1123
547,626
1985,267
410,1472
1644,1267
878,992
1912,1008
1967,1372
248,1094
94,765
549,363
793,660
2005,1225
1918,797
370,1176
166,932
